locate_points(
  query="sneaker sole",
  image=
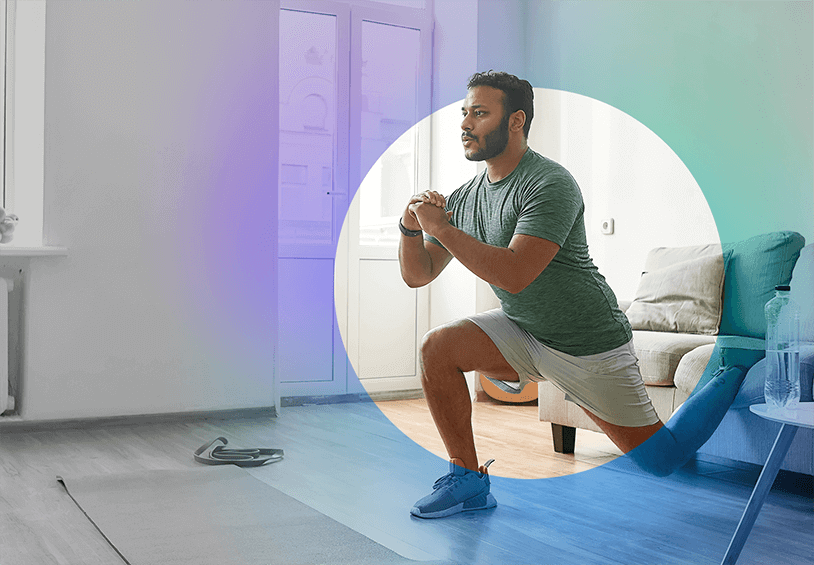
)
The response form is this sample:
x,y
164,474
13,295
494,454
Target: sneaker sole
x,y
480,502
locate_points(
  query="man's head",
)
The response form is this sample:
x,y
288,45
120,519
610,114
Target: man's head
x,y
498,106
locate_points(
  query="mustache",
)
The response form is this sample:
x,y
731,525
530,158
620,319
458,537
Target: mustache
x,y
465,136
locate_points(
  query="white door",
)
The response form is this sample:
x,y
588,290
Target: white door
x,y
352,80
313,194
385,318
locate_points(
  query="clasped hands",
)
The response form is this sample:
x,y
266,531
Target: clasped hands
x,y
425,211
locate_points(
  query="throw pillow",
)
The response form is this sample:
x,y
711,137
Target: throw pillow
x,y
661,257
684,297
756,265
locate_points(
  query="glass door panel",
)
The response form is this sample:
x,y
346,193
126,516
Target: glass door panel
x,y
308,134
389,94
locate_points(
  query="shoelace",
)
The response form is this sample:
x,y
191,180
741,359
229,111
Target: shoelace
x,y
452,477
448,478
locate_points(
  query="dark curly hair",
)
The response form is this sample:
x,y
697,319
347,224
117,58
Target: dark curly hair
x,y
517,93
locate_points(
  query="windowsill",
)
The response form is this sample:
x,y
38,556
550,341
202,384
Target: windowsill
x,y
11,250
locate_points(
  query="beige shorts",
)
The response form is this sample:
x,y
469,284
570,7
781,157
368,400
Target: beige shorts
x,y
609,384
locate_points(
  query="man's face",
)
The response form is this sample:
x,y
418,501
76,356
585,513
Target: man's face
x,y
485,128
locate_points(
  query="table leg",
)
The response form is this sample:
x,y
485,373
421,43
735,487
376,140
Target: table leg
x,y
760,492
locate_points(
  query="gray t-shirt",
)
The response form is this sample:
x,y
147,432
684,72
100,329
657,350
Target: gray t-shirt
x,y
570,306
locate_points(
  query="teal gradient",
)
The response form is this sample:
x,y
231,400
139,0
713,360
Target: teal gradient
x,y
727,85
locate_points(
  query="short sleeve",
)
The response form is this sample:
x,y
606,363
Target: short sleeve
x,y
549,207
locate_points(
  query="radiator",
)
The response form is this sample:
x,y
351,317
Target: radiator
x,y
6,401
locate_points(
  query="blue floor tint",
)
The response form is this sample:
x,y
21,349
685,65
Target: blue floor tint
x,y
349,462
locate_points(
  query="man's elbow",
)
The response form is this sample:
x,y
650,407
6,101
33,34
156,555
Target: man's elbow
x,y
414,284
517,286
412,281
516,289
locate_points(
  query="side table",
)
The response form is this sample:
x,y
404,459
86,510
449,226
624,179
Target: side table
x,y
800,417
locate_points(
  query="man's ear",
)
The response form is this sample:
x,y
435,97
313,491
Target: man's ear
x,y
517,120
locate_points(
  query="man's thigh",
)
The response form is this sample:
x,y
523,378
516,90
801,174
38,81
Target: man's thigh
x,y
626,438
463,343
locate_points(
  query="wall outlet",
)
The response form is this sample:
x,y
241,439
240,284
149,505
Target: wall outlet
x,y
607,226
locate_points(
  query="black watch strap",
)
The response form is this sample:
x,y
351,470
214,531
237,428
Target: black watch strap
x,y
408,233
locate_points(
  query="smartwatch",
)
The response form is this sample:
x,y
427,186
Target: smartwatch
x,y
408,233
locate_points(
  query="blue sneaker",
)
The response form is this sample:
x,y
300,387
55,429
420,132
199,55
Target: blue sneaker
x,y
461,490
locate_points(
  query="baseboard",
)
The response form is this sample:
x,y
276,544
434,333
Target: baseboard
x,y
19,424
397,395
291,401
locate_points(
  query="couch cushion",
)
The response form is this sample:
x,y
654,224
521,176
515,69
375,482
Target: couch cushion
x,y
802,291
684,297
754,267
660,352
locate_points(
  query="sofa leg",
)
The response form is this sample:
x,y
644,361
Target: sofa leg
x,y
564,438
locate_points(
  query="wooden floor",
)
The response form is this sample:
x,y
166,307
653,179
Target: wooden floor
x,y
512,435
351,463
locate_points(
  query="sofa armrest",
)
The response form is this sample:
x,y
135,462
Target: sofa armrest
x,y
689,371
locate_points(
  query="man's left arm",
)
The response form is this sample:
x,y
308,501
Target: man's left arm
x,y
511,268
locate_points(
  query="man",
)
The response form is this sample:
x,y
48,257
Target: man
x,y
519,226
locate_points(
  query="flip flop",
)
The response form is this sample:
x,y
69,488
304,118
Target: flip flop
x,y
253,457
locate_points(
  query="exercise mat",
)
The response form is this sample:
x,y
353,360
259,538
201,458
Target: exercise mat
x,y
213,516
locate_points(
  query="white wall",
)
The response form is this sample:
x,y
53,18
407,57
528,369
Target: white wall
x,y
627,173
157,117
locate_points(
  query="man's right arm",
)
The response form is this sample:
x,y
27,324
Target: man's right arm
x,y
420,261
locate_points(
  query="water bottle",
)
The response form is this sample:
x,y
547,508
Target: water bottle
x,y
782,389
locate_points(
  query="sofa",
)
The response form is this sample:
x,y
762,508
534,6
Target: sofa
x,y
694,304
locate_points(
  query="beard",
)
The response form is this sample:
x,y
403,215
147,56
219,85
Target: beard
x,y
494,142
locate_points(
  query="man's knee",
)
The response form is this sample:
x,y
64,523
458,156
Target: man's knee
x,y
437,345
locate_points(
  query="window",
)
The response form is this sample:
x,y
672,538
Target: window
x,y
4,7
23,44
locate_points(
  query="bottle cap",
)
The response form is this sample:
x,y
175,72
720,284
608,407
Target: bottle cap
x,y
782,287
